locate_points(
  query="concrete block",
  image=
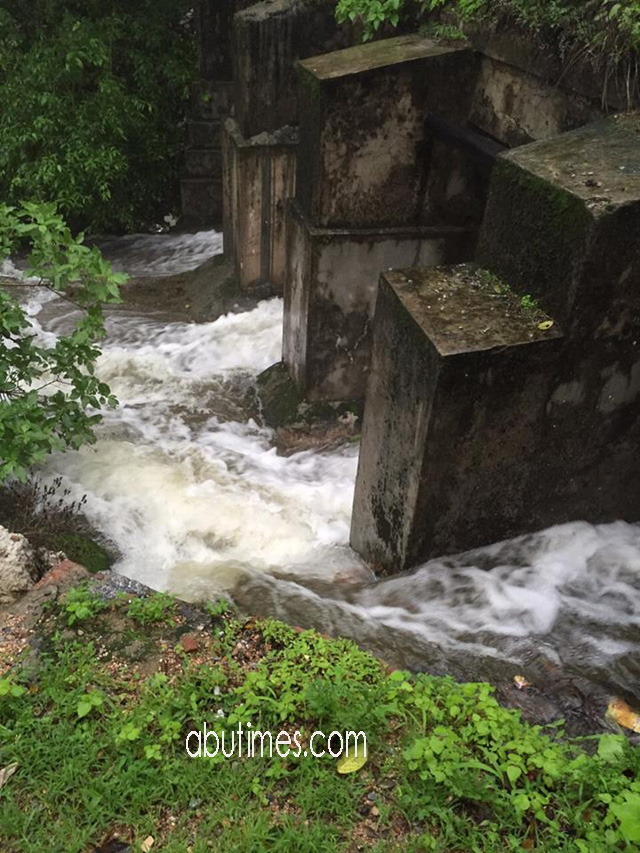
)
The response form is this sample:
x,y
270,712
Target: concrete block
x,y
563,223
516,107
330,290
259,177
362,159
454,428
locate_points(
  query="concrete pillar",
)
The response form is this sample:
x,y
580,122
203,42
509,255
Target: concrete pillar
x,y
483,422
260,145
361,198
259,176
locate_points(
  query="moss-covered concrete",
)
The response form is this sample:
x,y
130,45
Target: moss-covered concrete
x,y
362,159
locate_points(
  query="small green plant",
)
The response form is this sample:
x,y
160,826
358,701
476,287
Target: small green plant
x,y
217,608
529,303
156,608
88,703
82,603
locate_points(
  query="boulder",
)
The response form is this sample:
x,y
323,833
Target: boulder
x,y
19,566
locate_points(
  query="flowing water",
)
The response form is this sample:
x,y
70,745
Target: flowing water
x,y
193,494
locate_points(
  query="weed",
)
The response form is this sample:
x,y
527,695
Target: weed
x,y
529,303
156,608
449,770
81,603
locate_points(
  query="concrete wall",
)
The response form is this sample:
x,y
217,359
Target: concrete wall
x,y
330,294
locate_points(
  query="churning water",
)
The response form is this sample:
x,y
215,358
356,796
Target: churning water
x,y
194,495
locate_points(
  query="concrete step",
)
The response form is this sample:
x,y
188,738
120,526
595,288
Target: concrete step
x,y
201,200
203,163
204,134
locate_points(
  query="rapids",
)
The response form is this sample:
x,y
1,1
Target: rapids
x,y
193,494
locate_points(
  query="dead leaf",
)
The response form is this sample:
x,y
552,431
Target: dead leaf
x,y
147,844
546,324
6,773
623,715
521,682
352,760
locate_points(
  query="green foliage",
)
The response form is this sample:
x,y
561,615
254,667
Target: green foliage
x,y
92,99
156,608
81,603
529,303
47,392
96,747
603,30
372,13
217,608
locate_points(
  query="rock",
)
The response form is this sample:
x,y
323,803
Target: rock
x,y
19,566
64,574
189,643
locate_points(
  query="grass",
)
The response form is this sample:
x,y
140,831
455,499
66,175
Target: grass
x,y
97,732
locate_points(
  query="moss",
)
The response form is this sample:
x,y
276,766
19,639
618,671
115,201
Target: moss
x,y
532,235
279,396
82,550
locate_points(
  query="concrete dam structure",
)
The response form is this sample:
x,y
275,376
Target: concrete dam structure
x,y
456,233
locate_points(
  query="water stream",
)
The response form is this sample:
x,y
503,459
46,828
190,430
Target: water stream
x,y
192,492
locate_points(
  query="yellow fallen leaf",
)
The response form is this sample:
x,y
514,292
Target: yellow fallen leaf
x,y
352,760
546,324
521,682
147,844
623,715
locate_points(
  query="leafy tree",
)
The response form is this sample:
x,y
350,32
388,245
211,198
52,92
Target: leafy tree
x,y
49,394
92,100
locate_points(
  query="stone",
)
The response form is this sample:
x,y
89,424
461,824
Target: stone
x,y
64,574
330,291
19,566
190,643
362,159
259,175
454,419
278,395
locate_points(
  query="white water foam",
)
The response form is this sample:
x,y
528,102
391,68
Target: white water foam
x,y
196,498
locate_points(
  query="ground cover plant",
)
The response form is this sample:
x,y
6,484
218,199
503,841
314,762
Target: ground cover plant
x,y
92,751
92,106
